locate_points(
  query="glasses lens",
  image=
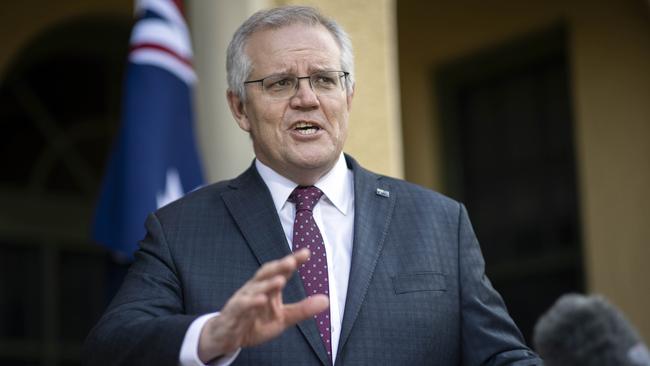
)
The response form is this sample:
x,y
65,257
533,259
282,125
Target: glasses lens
x,y
326,82
279,86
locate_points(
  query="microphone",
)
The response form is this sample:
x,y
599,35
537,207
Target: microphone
x,y
587,330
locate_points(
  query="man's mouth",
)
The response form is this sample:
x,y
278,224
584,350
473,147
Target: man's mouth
x,y
306,128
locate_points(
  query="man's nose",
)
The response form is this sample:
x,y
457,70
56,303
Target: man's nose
x,y
305,96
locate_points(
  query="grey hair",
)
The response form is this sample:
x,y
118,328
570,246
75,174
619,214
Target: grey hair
x,y
239,65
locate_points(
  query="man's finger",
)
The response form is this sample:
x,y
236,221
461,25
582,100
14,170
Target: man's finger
x,y
301,255
264,287
284,266
299,311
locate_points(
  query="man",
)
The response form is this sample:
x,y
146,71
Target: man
x,y
393,271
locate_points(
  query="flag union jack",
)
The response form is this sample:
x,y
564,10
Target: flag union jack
x,y
154,159
161,38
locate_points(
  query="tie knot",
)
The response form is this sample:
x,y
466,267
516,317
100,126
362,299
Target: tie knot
x,y
305,198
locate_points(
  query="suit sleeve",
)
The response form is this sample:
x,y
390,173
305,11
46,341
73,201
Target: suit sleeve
x,y
145,323
489,335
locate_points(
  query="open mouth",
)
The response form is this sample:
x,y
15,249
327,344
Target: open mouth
x,y
306,128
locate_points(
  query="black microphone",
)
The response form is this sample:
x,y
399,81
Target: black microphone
x,y
587,330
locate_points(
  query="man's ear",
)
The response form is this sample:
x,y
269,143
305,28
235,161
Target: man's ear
x,y
238,110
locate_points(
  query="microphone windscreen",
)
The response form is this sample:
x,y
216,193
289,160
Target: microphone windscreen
x,y
587,330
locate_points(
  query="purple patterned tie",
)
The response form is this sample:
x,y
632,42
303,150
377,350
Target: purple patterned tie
x,y
314,272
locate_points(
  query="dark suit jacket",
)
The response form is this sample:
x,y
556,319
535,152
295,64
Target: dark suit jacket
x,y
417,290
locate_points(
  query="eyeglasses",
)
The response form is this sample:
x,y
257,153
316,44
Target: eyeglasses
x,y
285,86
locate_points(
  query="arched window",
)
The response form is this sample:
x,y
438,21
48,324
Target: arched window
x,y
59,110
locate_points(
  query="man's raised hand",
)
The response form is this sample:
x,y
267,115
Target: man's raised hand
x,y
256,313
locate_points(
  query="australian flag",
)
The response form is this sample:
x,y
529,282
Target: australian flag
x,y
155,158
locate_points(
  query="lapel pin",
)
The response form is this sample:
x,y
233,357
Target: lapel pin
x,y
382,192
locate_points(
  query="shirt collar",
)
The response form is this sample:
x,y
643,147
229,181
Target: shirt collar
x,y
337,185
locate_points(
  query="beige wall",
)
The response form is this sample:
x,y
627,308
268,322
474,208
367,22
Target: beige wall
x,y
612,100
375,137
225,148
610,65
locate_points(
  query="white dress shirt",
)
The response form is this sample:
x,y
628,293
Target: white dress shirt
x,y
334,215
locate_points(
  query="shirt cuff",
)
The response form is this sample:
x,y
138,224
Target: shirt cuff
x,y
190,348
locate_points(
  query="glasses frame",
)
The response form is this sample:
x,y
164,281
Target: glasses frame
x,y
344,75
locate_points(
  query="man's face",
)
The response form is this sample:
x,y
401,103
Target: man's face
x,y
300,137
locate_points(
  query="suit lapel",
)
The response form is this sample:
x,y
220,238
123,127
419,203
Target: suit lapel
x,y
374,203
251,206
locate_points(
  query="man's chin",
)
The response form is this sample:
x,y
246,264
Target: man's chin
x,y
311,167
316,160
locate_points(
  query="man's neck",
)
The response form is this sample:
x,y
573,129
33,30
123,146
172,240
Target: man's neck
x,y
302,177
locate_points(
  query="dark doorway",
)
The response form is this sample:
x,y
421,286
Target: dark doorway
x,y
509,153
